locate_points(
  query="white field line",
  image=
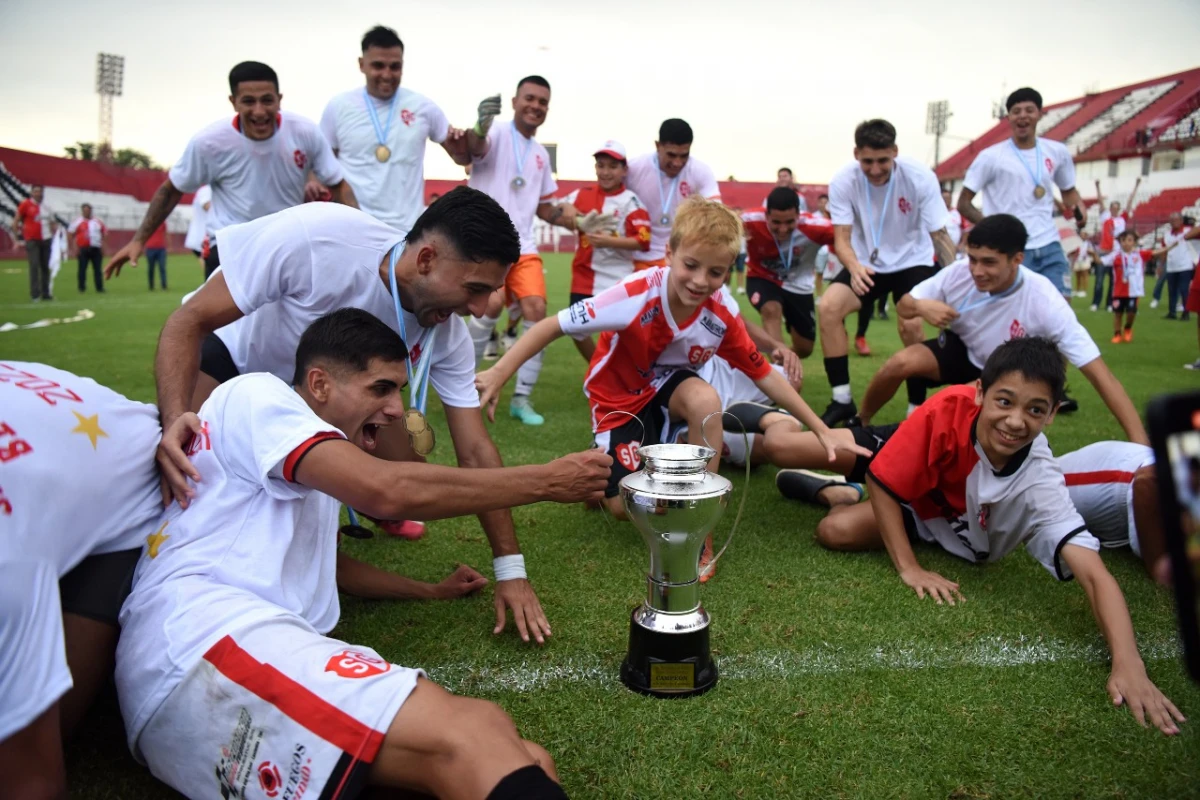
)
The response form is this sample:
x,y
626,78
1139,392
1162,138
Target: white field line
x,y
990,652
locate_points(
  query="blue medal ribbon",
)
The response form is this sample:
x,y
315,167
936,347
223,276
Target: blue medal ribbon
x,y
380,132
418,374
1037,153
877,230
519,157
791,253
989,297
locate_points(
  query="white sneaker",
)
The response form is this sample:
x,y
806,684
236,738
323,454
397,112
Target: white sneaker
x,y
741,290
1154,304
507,342
1194,365
1094,307
490,350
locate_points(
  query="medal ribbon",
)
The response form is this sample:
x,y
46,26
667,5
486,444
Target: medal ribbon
x,y
1037,153
665,200
519,157
791,252
877,230
418,374
380,132
990,297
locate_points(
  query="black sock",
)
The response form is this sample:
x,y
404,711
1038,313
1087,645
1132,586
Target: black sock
x,y
527,783
864,320
511,331
916,390
837,369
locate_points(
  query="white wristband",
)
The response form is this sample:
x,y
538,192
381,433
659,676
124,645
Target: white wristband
x,y
509,568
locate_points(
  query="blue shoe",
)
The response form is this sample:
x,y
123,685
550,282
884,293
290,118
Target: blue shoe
x,y
522,409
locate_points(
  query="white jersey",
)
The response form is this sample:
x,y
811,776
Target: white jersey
x,y
1181,257
1007,176
286,270
251,179
1100,480
904,211
392,191
954,226
250,534
662,195
1031,307
198,227
510,157
77,478
934,465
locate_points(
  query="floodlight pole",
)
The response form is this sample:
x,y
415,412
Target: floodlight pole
x,y
110,77
937,117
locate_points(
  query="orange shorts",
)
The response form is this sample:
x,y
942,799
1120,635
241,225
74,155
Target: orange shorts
x,y
638,266
525,278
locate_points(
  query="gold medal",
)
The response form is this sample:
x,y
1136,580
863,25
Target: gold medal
x,y
420,435
1039,192
382,153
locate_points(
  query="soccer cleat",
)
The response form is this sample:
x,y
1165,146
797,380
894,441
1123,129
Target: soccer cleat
x,y
1116,339
491,349
1128,334
508,341
805,485
861,347
746,416
838,413
1195,365
1154,304
522,409
403,528
707,568
1095,307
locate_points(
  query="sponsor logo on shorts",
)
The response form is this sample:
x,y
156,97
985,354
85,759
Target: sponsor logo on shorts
x,y
627,454
650,314
356,664
713,325
235,766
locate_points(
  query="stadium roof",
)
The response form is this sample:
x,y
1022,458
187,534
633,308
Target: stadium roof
x,y
1158,114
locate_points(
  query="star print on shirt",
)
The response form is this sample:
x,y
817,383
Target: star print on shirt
x,y
155,540
89,427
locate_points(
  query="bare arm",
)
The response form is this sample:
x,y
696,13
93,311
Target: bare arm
x,y
1113,394
967,208
1099,198
890,518
1128,683
161,205
935,312
372,583
342,193
615,242
560,214
491,381
1132,197
943,247
762,340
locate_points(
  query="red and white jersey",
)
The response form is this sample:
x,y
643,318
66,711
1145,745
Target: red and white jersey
x,y
1032,306
1111,227
935,466
764,254
1100,480
249,178
641,345
88,232
34,218
251,534
662,195
1181,257
1129,272
511,156
595,269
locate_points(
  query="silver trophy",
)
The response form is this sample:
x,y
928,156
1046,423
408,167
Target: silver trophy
x,y
675,502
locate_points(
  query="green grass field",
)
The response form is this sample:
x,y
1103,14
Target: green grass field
x,y
836,681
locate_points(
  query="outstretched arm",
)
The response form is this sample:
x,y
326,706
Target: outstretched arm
x,y
491,381
161,205
1113,394
890,517
1132,196
1128,683
361,579
1099,198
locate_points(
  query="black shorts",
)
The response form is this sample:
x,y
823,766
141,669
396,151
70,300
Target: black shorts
x,y
211,261
98,585
215,360
652,426
897,283
799,311
871,437
954,364
1129,304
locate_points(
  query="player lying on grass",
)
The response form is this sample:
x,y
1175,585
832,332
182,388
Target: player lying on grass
x,y
281,272
971,472
982,302
223,647
658,327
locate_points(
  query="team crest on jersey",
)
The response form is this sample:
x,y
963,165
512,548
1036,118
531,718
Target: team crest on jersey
x,y
540,162
236,764
904,205
1049,165
713,325
685,189
407,117
356,664
1016,330
985,512
300,159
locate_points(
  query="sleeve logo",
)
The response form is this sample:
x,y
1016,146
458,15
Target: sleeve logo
x,y
356,664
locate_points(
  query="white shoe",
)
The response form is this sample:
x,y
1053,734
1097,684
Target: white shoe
x,y
490,351
1094,307
741,290
507,342
1154,304
1194,365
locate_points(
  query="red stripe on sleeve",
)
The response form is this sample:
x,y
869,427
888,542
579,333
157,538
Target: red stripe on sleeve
x,y
293,459
298,703
1099,476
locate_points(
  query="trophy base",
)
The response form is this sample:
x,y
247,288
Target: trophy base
x,y
668,664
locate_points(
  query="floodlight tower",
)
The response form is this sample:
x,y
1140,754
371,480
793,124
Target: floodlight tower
x,y
110,77
937,117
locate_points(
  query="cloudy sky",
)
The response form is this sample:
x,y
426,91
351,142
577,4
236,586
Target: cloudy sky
x,y
763,84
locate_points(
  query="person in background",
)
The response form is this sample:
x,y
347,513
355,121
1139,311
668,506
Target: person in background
x,y
28,225
1112,225
89,239
156,255
1177,271
201,203
1083,265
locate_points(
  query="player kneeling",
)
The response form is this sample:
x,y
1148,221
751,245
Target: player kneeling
x,y
224,667
971,472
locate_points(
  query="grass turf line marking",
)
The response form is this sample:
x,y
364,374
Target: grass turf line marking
x,y
84,314
988,652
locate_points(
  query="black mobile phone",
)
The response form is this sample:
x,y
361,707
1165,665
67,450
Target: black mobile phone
x,y
1174,427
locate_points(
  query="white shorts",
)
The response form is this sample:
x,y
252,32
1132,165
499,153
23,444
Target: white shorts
x,y
33,657
278,711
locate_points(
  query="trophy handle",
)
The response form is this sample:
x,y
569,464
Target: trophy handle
x,y
745,487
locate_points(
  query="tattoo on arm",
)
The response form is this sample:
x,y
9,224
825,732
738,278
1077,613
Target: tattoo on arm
x,y
161,205
943,247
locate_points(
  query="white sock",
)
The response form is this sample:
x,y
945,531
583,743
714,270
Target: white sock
x,y
911,408
527,375
841,394
481,330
